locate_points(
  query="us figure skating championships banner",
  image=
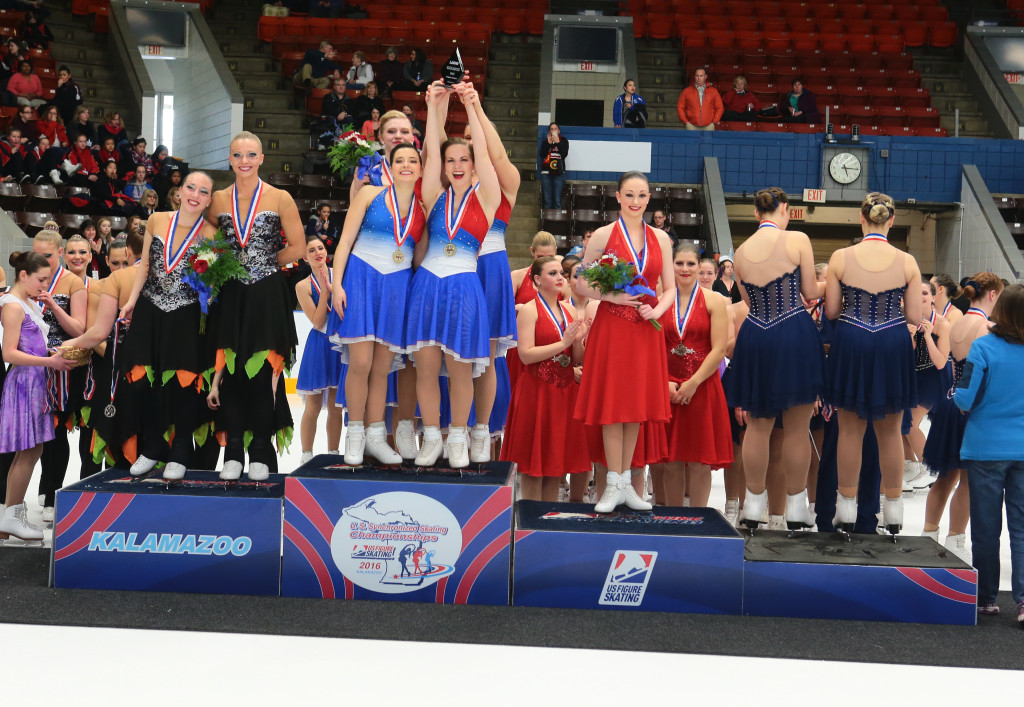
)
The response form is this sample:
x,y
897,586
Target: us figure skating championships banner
x,y
438,536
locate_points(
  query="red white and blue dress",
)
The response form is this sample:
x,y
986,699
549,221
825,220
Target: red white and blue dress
x,y
321,366
447,306
377,278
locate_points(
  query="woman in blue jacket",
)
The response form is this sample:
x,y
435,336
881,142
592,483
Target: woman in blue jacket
x,y
990,388
630,109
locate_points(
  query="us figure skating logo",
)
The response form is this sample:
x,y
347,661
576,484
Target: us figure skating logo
x,y
627,579
396,542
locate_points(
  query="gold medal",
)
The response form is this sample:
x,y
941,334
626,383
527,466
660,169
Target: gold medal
x,y
682,349
449,250
398,256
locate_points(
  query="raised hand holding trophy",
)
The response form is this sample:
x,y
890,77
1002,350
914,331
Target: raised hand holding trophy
x,y
453,71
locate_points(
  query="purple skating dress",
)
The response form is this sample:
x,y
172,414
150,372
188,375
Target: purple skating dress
x,y
27,417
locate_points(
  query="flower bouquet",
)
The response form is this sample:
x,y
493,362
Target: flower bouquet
x,y
610,275
352,150
213,264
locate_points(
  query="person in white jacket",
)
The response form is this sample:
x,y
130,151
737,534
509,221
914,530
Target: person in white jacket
x,y
360,73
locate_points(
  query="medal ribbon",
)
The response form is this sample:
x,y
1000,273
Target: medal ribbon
x,y
452,221
386,170
171,262
639,260
402,230
113,358
875,237
683,318
946,308
315,287
244,228
768,224
551,315
978,311
53,284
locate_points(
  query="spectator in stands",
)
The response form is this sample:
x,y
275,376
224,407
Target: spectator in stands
x,y
81,158
166,180
26,86
81,125
108,152
418,72
318,68
336,110
138,184
138,157
577,250
389,72
367,103
700,105
34,161
25,122
173,200
660,220
360,73
799,105
630,109
115,129
9,60
68,96
371,126
159,159
417,126
50,125
35,33
551,161
148,204
321,226
739,103
12,155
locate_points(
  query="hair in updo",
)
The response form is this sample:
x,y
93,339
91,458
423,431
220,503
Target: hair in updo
x,y
246,135
538,265
452,141
981,283
1008,315
947,283
931,285
27,261
767,200
542,239
686,247
632,175
401,146
877,208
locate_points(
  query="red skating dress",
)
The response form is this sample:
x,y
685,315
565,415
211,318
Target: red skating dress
x,y
699,432
524,294
541,436
624,370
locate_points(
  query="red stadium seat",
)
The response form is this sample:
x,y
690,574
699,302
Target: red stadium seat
x,y
930,132
772,127
861,114
884,96
891,116
923,117
269,27
807,128
942,36
906,79
659,26
914,97
915,34
899,62
535,24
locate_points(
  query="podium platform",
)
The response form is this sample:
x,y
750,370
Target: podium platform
x,y
671,559
870,578
200,534
398,533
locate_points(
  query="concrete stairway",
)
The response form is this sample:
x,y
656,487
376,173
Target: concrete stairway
x,y
942,75
269,106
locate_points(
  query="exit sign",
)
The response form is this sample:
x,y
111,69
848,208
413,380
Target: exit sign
x,y
586,66
154,50
814,196
796,213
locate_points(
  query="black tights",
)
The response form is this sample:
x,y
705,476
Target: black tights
x,y
56,455
248,404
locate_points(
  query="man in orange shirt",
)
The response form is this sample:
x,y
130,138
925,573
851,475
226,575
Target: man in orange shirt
x,y
700,106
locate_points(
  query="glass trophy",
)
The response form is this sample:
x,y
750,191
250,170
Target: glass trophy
x,y
453,71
